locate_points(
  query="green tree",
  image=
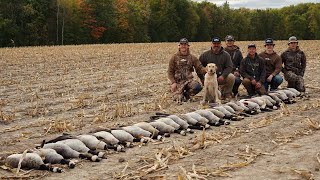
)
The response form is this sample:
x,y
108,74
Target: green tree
x,y
314,20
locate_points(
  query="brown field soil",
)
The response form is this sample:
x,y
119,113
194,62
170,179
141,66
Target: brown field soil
x,y
45,91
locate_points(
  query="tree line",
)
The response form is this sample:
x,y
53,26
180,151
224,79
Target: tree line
x,y
61,22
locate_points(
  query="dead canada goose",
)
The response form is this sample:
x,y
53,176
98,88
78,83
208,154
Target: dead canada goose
x,y
258,101
280,95
269,99
124,137
202,120
216,112
223,110
230,109
189,120
52,157
110,140
246,109
80,146
162,127
227,114
169,122
235,107
294,91
213,119
148,127
92,142
193,123
289,93
107,137
183,124
275,98
238,109
136,131
68,153
175,125
30,161
266,100
251,105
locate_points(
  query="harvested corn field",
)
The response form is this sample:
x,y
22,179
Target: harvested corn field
x,y
45,91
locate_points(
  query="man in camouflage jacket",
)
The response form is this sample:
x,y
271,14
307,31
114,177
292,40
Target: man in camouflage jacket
x,y
295,62
253,71
236,57
273,66
180,69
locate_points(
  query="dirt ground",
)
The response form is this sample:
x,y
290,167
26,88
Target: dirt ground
x,y
45,91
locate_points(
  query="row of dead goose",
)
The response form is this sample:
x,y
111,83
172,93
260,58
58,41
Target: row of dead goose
x,y
66,148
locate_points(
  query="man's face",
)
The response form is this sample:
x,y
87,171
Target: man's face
x,y
252,51
229,43
269,47
183,47
216,46
293,45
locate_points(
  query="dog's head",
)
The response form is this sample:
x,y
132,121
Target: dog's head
x,y
211,68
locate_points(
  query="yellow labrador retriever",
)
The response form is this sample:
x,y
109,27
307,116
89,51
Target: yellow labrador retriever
x,y
211,91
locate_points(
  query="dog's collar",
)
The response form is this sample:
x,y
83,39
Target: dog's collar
x,y
211,73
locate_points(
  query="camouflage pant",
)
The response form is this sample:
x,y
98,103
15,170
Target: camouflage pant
x,y
295,81
186,89
251,89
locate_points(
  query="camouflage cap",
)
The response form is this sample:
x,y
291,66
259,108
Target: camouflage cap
x,y
229,38
251,45
293,39
184,41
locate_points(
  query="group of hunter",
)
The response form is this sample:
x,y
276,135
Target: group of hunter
x,y
259,73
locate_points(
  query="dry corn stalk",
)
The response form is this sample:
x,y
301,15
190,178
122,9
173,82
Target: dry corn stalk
x,y
160,162
59,126
318,158
190,175
249,160
6,117
201,143
305,174
284,109
263,123
313,124
20,160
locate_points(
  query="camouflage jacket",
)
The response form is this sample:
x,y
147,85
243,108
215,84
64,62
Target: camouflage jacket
x,y
236,56
273,63
294,61
181,67
253,68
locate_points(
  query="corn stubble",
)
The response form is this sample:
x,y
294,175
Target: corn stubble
x,y
68,88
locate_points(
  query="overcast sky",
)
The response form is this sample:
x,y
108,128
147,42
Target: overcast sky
x,y
260,4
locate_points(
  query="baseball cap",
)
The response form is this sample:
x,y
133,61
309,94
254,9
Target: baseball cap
x,y
184,41
229,38
216,40
269,41
251,45
293,39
